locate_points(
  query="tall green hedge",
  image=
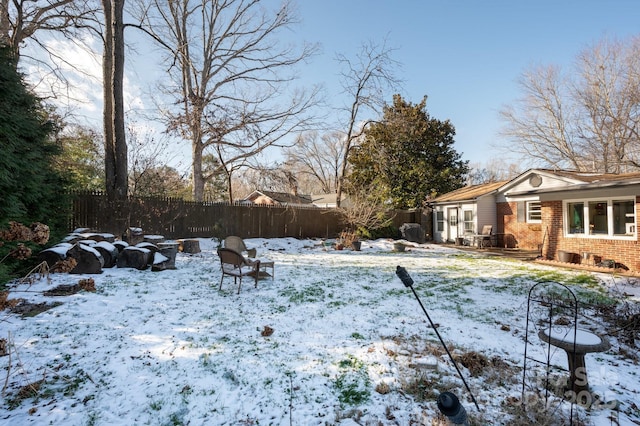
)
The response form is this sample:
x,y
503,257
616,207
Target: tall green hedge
x,y
30,189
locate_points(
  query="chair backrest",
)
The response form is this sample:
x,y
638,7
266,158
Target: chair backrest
x,y
486,229
235,243
231,257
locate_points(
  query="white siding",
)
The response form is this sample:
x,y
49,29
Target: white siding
x,y
523,184
486,213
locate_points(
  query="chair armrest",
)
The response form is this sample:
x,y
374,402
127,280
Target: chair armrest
x,y
254,263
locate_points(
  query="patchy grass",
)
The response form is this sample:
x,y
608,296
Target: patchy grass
x,y
352,382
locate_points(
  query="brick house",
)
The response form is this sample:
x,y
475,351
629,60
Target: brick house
x,y
569,216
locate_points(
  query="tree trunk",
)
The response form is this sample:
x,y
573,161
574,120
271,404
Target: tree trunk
x,y
189,246
116,178
134,257
109,253
196,168
4,23
89,260
53,255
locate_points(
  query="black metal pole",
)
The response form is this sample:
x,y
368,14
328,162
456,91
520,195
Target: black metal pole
x,y
408,282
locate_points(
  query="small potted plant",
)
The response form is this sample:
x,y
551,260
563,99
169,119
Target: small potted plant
x,y
350,238
399,246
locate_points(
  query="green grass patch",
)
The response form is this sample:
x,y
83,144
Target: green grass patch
x,y
352,383
309,294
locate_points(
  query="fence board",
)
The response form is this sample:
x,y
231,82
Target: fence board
x,y
175,218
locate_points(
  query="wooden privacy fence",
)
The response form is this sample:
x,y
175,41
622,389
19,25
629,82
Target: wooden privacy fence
x,y
176,218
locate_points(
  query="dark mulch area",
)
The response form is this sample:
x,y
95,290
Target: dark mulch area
x,y
27,309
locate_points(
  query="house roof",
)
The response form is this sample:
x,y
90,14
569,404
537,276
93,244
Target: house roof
x,y
326,199
281,197
574,180
469,193
598,177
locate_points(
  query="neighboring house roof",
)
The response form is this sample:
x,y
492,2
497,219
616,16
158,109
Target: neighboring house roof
x,y
326,200
279,197
469,193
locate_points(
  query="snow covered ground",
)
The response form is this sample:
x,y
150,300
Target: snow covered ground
x,y
349,343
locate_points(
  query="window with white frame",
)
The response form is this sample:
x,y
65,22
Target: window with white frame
x,y
534,212
440,221
600,218
453,219
467,216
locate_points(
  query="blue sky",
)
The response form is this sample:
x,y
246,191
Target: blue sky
x,y
466,56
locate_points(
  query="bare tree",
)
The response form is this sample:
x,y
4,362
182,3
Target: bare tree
x,y
364,80
147,152
493,170
319,158
230,77
587,120
277,178
35,29
609,93
115,159
23,21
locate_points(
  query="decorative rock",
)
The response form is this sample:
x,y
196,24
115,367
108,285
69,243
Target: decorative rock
x,y
399,246
412,232
428,363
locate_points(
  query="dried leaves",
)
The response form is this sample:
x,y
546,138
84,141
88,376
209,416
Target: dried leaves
x,y
37,233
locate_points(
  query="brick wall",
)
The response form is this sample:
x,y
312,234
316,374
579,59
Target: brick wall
x,y
527,236
623,252
530,236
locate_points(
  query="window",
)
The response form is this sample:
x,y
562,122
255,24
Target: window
x,y
575,218
534,212
624,217
601,217
468,221
598,220
440,221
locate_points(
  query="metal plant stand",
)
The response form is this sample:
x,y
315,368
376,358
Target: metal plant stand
x,y
552,310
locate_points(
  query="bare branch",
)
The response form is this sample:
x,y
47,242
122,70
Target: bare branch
x,y
365,79
230,78
587,121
